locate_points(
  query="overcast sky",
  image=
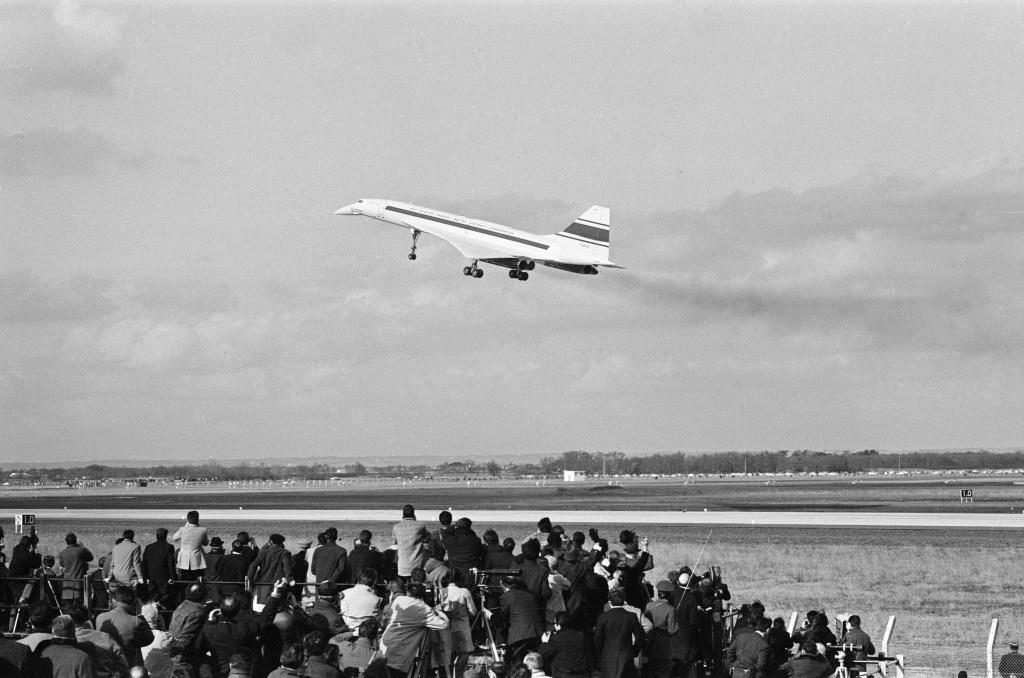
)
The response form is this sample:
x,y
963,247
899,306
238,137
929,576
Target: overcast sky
x,y
820,206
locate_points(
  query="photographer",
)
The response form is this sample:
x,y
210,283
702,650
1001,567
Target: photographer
x,y
24,561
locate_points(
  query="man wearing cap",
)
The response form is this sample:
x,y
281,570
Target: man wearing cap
x,y
158,563
61,658
1012,663
662,617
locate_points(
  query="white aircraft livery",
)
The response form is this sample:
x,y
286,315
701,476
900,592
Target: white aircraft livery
x,y
582,247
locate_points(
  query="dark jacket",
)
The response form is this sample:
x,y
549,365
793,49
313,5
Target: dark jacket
x,y
569,653
751,652
362,557
63,659
272,563
330,563
158,562
465,550
535,576
523,614
808,666
618,637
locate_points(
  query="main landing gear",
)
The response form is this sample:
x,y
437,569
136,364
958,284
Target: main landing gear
x,y
520,271
473,271
415,237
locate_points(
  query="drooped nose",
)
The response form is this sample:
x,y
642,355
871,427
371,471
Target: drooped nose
x,y
349,209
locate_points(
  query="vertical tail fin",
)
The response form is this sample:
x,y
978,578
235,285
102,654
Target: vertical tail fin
x,y
592,228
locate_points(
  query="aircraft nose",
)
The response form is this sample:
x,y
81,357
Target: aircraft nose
x,y
347,210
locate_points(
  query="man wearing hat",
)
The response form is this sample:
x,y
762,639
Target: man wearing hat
x,y
1012,663
212,575
61,658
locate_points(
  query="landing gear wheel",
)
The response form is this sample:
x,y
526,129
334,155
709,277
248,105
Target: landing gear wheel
x,y
513,274
478,273
523,275
412,256
466,270
412,252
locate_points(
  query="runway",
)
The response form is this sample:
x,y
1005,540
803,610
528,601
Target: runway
x,y
736,518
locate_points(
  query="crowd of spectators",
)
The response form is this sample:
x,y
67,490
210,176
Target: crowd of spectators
x,y
438,601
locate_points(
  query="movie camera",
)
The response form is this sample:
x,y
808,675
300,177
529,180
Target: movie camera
x,y
483,576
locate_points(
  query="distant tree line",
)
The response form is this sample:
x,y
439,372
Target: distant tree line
x,y
593,463
781,461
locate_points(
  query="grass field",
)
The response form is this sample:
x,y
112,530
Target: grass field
x,y
944,586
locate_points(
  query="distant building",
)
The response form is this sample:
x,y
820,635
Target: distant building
x,y
573,476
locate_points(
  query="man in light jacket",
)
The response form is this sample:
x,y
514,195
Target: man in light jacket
x,y
191,557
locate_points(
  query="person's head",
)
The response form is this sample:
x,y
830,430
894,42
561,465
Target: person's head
x,y
762,625
664,589
230,606
78,613
544,524
508,544
1014,647
368,577
531,549
321,538
332,533
216,543
365,537
553,541
192,517
445,518
292,656
195,593
961,674
463,525
48,561
241,661
408,511
810,648
616,598
578,538
820,620
534,661
314,643
152,616
41,615
124,595
779,623
161,534
237,546
396,587
63,627
417,590
277,539
369,629
510,582
243,537
854,621
490,537
128,535
326,590
71,539
417,575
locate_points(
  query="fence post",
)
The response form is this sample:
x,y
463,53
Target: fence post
x,y
988,648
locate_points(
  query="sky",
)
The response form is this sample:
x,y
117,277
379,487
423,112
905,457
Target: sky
x,y
819,205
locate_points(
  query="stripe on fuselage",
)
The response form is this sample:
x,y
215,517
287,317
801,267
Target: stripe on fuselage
x,y
595,233
468,227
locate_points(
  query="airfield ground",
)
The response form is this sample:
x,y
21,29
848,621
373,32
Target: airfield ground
x,y
944,585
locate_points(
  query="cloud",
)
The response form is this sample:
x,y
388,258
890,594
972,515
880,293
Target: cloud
x,y
53,152
25,299
62,47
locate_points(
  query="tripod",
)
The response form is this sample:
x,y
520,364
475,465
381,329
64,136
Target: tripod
x,y
481,627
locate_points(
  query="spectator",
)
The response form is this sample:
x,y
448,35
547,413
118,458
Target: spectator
x,y
618,639
411,538
360,603
317,663
330,560
411,619
107,656
273,562
74,561
1012,663
130,631
364,555
125,561
567,650
158,565
522,613
60,658
191,562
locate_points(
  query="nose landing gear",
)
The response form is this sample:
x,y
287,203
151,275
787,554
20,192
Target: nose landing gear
x,y
473,271
415,237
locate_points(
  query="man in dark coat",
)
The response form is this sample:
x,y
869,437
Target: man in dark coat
x,y
687,617
749,653
855,636
535,570
364,555
232,569
158,564
618,639
1012,663
330,561
522,613
808,664
60,656
465,550
74,561
568,651
272,563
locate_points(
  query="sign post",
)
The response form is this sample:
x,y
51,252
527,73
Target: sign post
x,y
966,496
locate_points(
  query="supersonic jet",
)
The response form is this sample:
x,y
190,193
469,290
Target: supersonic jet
x,y
582,247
